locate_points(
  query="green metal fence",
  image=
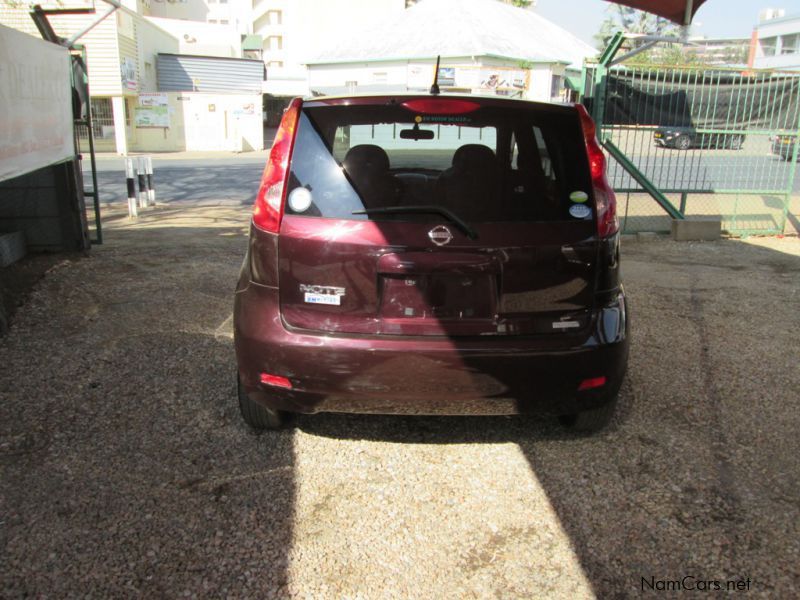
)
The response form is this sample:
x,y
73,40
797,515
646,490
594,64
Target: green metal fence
x,y
697,142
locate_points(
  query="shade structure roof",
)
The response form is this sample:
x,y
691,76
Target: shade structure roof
x,y
458,28
674,10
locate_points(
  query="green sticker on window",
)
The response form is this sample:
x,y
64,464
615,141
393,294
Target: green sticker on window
x,y
579,196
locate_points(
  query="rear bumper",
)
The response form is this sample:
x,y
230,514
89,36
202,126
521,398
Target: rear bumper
x,y
436,375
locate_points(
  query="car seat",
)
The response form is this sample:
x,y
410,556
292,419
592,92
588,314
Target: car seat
x,y
367,168
469,186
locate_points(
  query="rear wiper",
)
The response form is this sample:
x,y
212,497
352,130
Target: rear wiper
x,y
423,208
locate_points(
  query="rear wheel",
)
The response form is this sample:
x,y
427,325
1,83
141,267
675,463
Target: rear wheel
x,y
254,414
590,420
683,142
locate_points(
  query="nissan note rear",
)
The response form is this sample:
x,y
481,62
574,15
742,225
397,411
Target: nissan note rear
x,y
432,255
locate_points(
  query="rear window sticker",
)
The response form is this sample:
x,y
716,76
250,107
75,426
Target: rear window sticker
x,y
451,119
579,196
300,200
580,211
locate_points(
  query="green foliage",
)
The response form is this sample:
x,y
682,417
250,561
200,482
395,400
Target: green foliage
x,y
519,3
630,20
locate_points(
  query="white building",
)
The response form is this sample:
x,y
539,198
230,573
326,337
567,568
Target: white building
x,y
485,47
292,30
121,56
776,41
129,110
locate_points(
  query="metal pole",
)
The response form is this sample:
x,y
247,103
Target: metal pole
x,y
93,161
142,182
71,41
129,180
151,191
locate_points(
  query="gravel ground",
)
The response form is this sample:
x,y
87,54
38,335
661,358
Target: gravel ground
x,y
125,469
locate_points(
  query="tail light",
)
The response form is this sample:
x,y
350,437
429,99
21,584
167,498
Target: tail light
x,y
441,106
591,384
604,197
275,381
268,210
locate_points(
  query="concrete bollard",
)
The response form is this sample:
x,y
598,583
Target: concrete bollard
x,y
141,162
151,191
129,180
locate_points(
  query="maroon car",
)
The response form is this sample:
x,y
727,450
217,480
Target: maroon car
x,y
432,255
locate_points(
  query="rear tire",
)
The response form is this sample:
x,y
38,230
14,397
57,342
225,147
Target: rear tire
x,y
255,415
590,420
683,142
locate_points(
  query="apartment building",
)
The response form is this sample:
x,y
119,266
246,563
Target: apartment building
x,y
776,41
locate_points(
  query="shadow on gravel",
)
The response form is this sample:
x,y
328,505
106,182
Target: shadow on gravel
x,y
125,467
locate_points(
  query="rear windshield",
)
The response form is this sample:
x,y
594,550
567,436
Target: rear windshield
x,y
492,164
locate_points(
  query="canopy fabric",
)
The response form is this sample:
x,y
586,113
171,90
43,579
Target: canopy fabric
x,y
674,10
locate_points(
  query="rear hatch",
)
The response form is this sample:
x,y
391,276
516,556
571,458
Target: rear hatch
x,y
438,216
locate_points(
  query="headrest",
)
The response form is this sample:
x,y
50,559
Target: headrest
x,y
471,156
366,157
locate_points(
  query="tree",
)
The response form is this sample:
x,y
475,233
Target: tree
x,y
520,3
631,20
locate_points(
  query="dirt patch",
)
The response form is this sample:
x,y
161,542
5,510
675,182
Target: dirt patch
x,y
17,281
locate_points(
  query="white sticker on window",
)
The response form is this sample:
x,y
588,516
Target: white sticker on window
x,y
300,200
580,211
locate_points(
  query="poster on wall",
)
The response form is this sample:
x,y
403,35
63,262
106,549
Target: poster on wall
x,y
484,79
127,69
153,99
151,116
245,109
501,79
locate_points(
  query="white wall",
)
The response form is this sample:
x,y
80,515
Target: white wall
x,y
395,76
202,122
192,10
204,39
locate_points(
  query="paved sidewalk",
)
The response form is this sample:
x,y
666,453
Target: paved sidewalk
x,y
195,155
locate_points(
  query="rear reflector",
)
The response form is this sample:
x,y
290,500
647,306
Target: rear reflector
x,y
604,197
268,209
276,381
590,384
441,106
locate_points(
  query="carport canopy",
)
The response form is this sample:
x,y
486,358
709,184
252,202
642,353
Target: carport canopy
x,y
677,11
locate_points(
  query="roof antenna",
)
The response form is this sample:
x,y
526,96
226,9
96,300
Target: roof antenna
x,y
435,86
